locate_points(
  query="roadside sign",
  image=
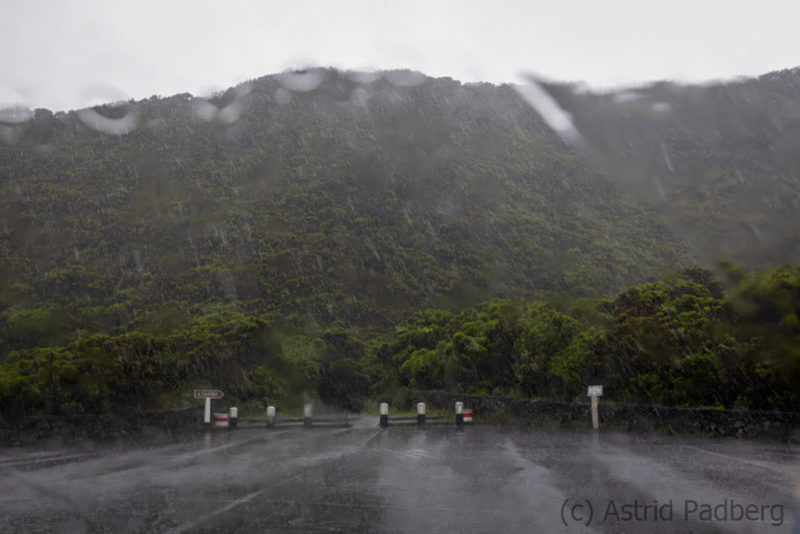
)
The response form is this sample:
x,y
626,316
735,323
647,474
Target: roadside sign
x,y
208,394
595,392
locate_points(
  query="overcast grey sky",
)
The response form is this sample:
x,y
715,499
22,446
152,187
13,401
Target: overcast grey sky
x,y
64,54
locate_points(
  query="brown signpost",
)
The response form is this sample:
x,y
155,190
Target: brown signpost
x,y
208,394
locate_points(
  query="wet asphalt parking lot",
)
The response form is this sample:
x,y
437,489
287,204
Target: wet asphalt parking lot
x,y
401,479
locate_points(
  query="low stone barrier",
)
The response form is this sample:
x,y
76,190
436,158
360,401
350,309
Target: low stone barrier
x,y
707,421
65,428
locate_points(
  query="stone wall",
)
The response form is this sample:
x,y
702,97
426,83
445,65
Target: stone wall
x,y
38,429
738,423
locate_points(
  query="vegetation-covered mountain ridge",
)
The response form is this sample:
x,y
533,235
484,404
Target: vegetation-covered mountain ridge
x,y
719,161
268,239
314,194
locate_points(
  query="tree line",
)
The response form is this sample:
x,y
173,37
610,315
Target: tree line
x,y
688,340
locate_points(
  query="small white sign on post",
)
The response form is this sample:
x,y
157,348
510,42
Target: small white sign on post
x,y
595,392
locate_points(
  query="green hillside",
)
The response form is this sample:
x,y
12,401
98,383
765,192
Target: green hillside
x,y
359,202
268,239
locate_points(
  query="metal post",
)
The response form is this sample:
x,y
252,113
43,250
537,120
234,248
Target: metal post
x,y
207,412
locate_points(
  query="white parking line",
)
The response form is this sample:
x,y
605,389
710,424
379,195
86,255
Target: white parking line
x,y
250,496
230,506
778,468
45,459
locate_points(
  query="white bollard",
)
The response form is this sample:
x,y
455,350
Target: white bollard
x,y
233,417
384,414
307,415
421,413
459,415
270,416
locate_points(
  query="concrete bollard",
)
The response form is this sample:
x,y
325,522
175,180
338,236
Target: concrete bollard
x,y
460,415
307,416
220,420
270,416
384,413
233,417
421,413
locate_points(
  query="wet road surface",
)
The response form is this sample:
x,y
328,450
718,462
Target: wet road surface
x,y
402,479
